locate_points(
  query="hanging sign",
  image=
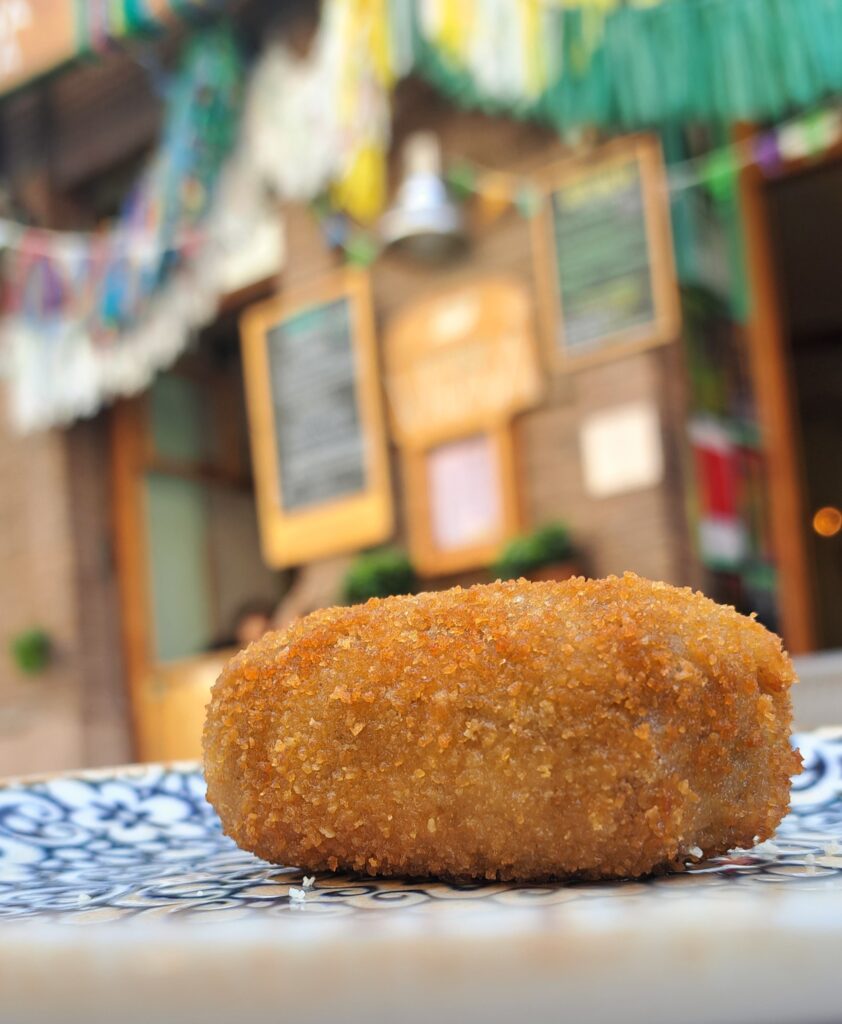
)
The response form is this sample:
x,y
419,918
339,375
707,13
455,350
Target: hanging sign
x,y
461,360
38,36
316,422
35,36
604,255
459,366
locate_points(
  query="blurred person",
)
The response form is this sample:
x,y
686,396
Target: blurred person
x,y
252,620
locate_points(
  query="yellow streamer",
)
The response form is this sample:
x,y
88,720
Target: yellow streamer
x,y
369,64
455,18
362,190
451,25
374,17
367,55
534,57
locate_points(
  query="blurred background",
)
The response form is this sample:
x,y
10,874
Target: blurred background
x,y
306,303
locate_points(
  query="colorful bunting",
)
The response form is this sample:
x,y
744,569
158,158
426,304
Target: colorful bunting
x,y
361,249
793,141
93,316
767,154
89,317
100,22
719,173
324,121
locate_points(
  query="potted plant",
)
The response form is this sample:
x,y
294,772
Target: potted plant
x,y
545,554
31,651
384,572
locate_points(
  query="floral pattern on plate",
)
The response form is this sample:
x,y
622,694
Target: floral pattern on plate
x,y
96,846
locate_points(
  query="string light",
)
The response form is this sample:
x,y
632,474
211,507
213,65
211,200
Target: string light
x,y
827,521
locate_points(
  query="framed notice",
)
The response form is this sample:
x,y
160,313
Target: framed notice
x,y
461,501
621,449
604,259
316,421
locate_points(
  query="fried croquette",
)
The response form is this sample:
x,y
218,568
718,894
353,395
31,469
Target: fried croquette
x,y
591,728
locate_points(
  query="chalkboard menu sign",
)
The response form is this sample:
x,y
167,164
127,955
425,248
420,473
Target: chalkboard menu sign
x,y
604,254
321,450
316,422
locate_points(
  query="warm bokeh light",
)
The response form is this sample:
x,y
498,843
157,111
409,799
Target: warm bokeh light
x,y
827,521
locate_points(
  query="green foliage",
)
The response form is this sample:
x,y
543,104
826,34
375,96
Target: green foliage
x,y
547,545
31,651
383,572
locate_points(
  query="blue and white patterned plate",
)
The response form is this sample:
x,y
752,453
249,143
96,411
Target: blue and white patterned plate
x,y
186,927
137,841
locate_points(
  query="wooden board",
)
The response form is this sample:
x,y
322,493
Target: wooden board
x,y
603,252
35,37
461,361
316,421
461,501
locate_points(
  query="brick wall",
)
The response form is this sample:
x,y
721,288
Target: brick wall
x,y
99,658
643,530
52,510
40,717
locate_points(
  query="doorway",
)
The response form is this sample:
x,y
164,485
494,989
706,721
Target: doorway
x,y
188,551
804,211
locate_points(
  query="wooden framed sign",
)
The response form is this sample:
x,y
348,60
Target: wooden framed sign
x,y
461,360
604,257
316,421
35,37
459,365
461,501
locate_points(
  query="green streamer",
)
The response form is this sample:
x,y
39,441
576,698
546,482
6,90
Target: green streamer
x,y
680,60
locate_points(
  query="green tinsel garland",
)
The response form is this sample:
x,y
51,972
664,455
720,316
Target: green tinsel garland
x,y
682,60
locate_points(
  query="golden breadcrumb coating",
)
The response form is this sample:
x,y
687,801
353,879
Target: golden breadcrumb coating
x,y
598,728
